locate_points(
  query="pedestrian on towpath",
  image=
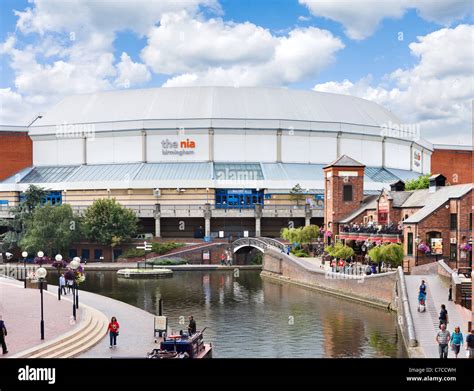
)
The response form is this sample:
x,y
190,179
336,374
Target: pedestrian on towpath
x,y
443,316
470,344
62,284
442,338
456,341
3,334
113,331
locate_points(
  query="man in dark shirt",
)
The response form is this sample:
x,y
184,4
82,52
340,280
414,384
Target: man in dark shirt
x,y
191,326
3,334
470,343
443,316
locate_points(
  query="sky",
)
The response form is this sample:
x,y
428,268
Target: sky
x,y
414,57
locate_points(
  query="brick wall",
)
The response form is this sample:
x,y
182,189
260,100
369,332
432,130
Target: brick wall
x,y
16,153
455,165
376,289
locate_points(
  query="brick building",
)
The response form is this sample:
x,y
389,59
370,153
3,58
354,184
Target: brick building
x,y
439,218
16,150
455,162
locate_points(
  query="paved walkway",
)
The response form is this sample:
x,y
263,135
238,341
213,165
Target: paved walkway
x,y
20,309
136,328
426,323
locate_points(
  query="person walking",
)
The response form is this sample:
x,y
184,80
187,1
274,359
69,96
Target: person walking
x,y
456,341
222,259
62,284
3,334
69,284
442,338
443,316
113,331
470,344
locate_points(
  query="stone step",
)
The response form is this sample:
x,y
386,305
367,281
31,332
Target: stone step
x,y
92,329
89,338
86,319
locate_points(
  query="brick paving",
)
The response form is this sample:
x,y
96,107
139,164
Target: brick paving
x,y
20,309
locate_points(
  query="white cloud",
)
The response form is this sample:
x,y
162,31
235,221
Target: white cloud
x,y
93,15
222,53
437,93
360,19
131,73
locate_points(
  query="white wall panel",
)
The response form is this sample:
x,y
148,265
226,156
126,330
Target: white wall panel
x,y
351,147
261,147
45,152
397,155
229,147
322,149
426,163
100,150
127,149
69,151
295,148
371,153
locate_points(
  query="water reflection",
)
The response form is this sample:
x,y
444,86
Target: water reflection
x,y
250,317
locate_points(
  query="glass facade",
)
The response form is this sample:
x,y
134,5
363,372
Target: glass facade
x,y
238,198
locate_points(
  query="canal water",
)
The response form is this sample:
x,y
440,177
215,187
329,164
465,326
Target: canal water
x,y
247,316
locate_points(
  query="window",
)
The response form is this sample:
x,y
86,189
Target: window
x,y
454,221
97,253
72,253
85,254
410,243
347,193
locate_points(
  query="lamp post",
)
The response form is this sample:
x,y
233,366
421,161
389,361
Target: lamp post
x,y
59,259
24,254
41,273
74,265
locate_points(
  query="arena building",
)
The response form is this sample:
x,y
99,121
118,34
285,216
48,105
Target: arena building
x,y
213,161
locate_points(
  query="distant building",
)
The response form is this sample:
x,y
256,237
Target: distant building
x,y
455,162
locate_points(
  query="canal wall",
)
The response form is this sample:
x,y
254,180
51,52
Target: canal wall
x,y
376,290
387,290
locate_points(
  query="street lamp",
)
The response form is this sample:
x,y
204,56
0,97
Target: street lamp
x,y
41,273
59,259
24,254
74,265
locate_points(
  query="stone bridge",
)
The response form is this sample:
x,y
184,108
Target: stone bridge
x,y
260,243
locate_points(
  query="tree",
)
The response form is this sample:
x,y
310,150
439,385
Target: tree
x,y
393,254
50,229
422,182
109,223
32,198
309,233
339,250
296,193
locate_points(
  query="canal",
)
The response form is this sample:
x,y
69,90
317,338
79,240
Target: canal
x,y
247,316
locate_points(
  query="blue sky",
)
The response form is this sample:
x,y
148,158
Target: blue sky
x,y
339,46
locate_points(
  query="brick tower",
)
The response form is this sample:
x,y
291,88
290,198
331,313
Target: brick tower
x,y
343,190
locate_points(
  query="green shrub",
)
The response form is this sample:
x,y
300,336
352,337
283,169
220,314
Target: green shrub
x,y
133,253
167,261
163,248
300,253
